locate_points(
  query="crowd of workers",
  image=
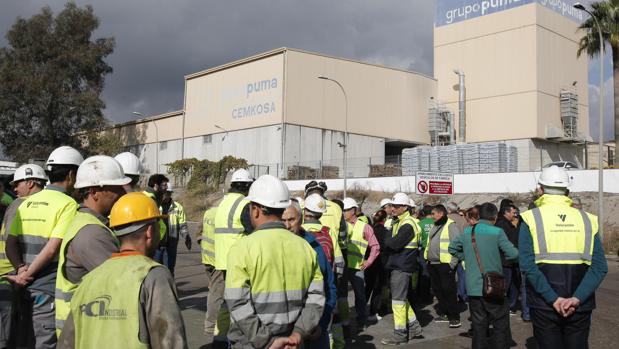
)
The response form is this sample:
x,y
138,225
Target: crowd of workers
x,y
87,261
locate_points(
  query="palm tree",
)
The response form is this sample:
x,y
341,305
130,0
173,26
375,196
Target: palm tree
x,y
607,13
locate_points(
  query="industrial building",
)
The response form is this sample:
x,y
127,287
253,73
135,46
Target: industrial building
x,y
508,68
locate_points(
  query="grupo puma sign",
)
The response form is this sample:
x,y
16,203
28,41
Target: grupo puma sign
x,y
453,11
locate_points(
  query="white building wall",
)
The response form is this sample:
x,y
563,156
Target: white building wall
x,y
314,148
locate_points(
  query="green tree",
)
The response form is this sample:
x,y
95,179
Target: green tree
x,y
607,13
52,75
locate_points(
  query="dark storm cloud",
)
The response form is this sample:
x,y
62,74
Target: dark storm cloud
x,y
158,42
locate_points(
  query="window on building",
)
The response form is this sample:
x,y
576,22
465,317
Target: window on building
x,y
208,139
163,145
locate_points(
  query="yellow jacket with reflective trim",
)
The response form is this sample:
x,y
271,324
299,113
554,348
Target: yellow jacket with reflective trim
x,y
207,243
561,234
228,227
42,216
332,219
274,281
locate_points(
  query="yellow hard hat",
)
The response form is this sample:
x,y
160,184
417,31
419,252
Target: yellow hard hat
x,y
133,208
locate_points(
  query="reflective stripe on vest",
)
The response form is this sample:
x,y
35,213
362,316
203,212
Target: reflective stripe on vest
x,y
357,245
273,288
207,243
44,215
9,215
444,255
564,249
64,287
106,306
405,219
228,227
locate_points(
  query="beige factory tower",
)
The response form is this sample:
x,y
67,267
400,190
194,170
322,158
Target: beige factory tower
x,y
524,82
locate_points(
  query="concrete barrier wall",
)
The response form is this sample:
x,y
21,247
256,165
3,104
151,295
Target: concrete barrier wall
x,y
518,182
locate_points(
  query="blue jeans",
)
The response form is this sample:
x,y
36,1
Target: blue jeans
x,y
510,274
461,283
166,255
357,279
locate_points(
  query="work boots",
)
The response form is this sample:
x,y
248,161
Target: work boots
x,y
414,330
398,337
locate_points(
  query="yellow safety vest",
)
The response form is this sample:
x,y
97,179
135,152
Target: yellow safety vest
x,y
207,242
9,215
106,305
64,287
332,219
42,216
274,269
357,244
176,218
163,230
228,227
561,234
444,255
407,219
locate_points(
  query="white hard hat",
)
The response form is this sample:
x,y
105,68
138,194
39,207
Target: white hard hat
x,y
241,175
270,192
350,203
129,162
28,171
401,199
316,203
64,155
385,202
554,176
100,170
411,203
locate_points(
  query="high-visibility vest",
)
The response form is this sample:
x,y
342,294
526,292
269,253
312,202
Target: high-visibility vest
x,y
176,218
407,219
106,305
444,255
364,219
42,216
163,230
357,245
228,227
207,242
9,215
274,270
561,234
332,219
64,287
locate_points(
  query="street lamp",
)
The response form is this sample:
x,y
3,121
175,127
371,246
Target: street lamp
x,y
156,140
345,145
580,7
223,129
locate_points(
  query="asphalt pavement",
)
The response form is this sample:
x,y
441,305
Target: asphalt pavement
x,y
191,283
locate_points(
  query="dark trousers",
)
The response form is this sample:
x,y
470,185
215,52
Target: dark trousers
x,y
376,278
485,313
552,331
166,255
444,286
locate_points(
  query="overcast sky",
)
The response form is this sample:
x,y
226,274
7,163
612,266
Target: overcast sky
x,y
159,42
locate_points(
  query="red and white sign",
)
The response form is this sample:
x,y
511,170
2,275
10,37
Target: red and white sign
x,y
434,183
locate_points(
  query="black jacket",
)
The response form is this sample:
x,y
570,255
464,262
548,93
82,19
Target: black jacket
x,y
512,235
401,258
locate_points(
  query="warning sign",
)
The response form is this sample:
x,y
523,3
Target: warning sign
x,y
434,183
